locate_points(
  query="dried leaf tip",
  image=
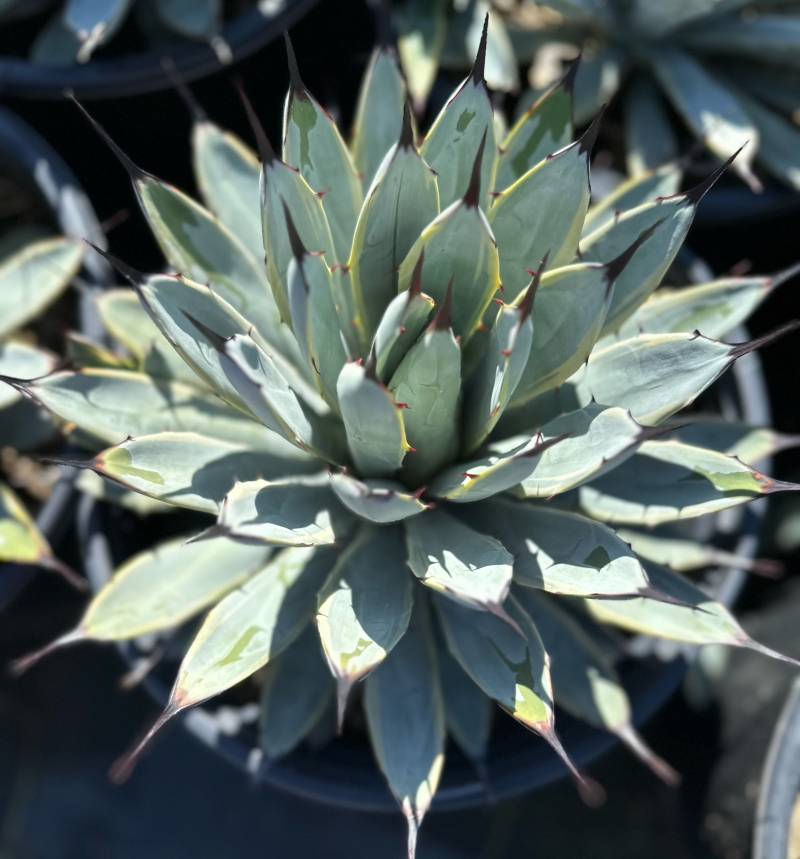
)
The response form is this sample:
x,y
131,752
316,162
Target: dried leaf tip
x,y
657,765
477,75
783,276
265,151
137,278
586,143
295,242
407,132
568,81
194,107
473,193
415,287
371,365
296,84
740,349
696,194
443,320
21,665
526,305
211,533
615,267
122,768
134,170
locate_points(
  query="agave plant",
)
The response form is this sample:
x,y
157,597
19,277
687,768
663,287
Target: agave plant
x,y
728,68
379,417
34,271
79,27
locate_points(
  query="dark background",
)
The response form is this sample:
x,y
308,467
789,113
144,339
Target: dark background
x,y
63,724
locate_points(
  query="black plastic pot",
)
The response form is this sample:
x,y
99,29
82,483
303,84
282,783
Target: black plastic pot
x,y
343,773
736,204
143,72
29,160
780,784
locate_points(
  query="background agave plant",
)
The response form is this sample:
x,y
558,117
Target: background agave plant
x,y
34,271
728,69
79,27
378,425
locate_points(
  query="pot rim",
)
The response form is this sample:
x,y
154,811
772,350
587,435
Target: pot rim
x,y
142,72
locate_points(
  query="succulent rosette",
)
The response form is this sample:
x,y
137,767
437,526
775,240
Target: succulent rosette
x,y
417,426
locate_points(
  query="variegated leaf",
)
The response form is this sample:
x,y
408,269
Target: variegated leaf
x,y
668,480
33,276
251,625
361,616
584,682
402,200
405,718
297,690
378,501
372,420
294,511
227,174
542,213
656,375
191,470
427,384
455,136
543,129
700,621
560,552
512,669
312,144
462,563
379,113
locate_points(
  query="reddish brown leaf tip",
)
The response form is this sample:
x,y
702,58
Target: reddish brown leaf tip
x,y
568,81
696,194
407,132
295,242
415,287
194,107
21,665
296,84
615,267
371,365
472,196
586,143
122,768
783,276
443,321
65,571
265,151
479,67
526,306
137,278
134,170
770,337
